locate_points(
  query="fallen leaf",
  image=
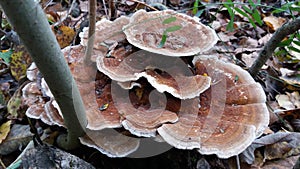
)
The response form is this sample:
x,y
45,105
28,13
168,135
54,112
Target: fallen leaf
x,y
4,130
14,104
18,137
64,35
292,147
20,60
6,55
285,102
274,22
283,163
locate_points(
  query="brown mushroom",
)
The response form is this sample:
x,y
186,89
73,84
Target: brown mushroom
x,y
169,74
88,81
146,29
53,113
107,34
38,108
145,118
232,113
110,142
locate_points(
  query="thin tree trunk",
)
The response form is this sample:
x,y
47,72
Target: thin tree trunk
x,y
29,21
92,28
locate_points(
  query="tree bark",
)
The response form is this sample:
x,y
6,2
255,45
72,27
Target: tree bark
x,y
271,45
29,21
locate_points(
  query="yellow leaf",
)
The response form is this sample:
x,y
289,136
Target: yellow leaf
x,y
274,22
64,36
20,60
4,130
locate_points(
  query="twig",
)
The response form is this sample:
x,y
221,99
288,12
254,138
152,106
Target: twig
x,y
238,166
2,164
64,18
105,9
92,27
112,11
271,45
143,3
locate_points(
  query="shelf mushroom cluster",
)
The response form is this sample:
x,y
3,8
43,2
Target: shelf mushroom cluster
x,y
149,90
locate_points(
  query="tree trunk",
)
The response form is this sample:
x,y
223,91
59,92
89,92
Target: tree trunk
x,y
29,21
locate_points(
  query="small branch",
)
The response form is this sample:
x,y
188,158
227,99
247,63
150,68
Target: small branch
x,y
271,45
92,27
112,11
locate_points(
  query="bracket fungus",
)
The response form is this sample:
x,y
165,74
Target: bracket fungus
x,y
172,75
146,29
150,91
232,113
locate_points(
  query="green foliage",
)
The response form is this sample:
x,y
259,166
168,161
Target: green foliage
x,y
250,11
195,7
169,29
292,43
6,56
169,20
229,7
288,7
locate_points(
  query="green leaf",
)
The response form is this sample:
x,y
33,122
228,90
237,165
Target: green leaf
x,y
231,14
295,8
252,4
257,17
245,15
163,40
294,49
252,22
199,13
241,12
195,7
285,43
169,20
247,9
6,56
230,25
296,42
173,28
298,36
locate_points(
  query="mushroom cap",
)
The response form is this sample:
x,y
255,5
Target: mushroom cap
x,y
169,74
106,34
145,31
53,113
143,109
88,82
38,108
232,113
110,142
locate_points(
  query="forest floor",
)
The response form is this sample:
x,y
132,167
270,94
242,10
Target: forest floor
x,y
242,34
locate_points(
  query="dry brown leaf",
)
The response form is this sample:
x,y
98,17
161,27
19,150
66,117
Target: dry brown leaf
x,y
4,130
274,22
289,101
292,146
285,102
283,163
18,137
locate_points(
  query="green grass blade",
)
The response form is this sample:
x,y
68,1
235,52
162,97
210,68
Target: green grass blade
x,y
169,20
